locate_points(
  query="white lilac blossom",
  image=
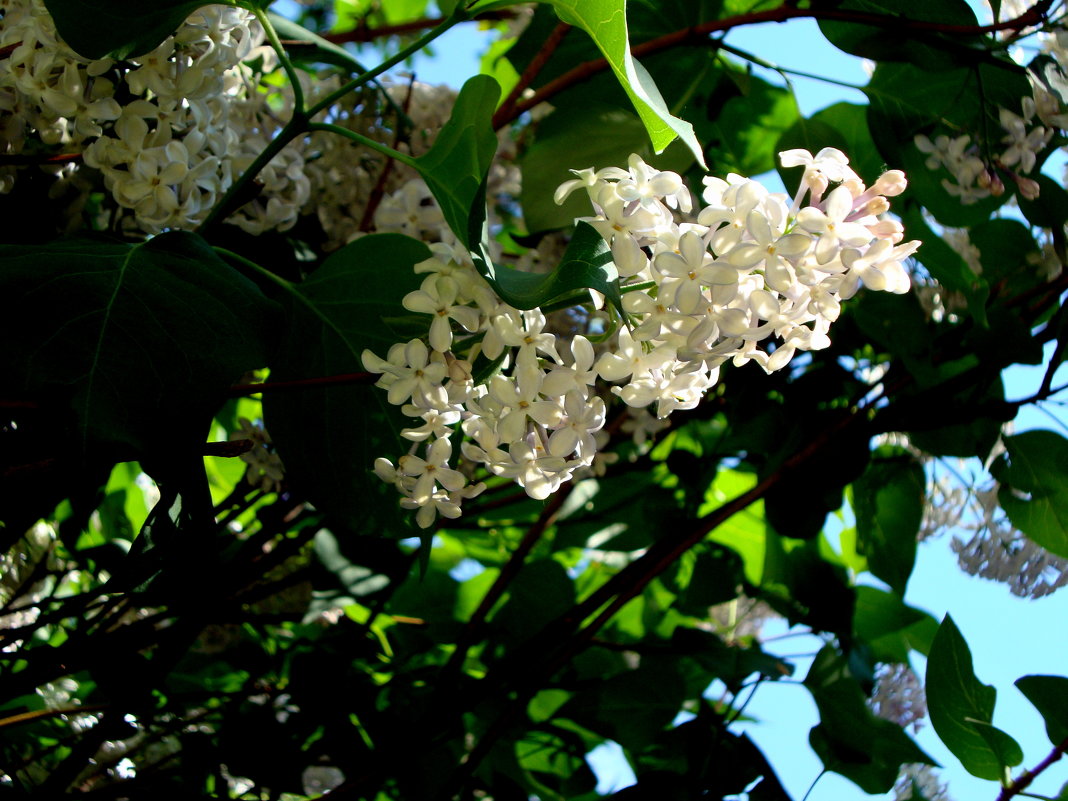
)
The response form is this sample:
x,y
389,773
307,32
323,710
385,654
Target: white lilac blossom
x,y
976,177
194,114
757,277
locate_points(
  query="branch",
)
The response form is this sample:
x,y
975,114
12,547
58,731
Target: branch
x,y
241,390
698,34
1021,782
379,190
616,593
541,58
25,159
508,573
365,33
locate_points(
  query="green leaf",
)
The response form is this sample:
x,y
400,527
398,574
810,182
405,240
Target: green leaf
x,y
850,739
888,500
329,436
118,29
961,707
606,23
586,264
890,627
1049,695
455,167
1033,473
1004,250
630,707
744,136
1006,749
144,340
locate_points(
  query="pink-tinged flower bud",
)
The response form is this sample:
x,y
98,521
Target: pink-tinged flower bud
x,y
875,206
890,183
1028,188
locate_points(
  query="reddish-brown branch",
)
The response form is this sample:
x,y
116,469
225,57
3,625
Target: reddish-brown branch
x,y
698,34
541,58
29,159
625,586
241,390
1023,781
379,190
365,33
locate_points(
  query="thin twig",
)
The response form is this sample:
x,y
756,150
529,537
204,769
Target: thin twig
x,y
379,190
1023,781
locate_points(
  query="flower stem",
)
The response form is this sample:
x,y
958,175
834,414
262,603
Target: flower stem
x,y
403,158
283,57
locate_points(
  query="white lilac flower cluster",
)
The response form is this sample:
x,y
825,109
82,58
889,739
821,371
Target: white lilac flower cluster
x,y
752,267
975,176
192,116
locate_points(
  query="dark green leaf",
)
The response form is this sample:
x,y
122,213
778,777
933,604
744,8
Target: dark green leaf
x,y
1049,695
946,265
143,339
958,704
329,436
1050,208
118,29
744,136
881,43
888,500
1034,487
311,47
631,707
1006,749
455,167
850,739
541,592
586,264
1006,248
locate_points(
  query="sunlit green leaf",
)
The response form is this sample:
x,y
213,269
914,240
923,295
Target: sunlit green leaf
x,y
606,23
455,167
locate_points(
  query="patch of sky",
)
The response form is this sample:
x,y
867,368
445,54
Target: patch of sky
x,y
466,568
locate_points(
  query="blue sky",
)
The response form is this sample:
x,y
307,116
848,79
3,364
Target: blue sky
x,y
1009,637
